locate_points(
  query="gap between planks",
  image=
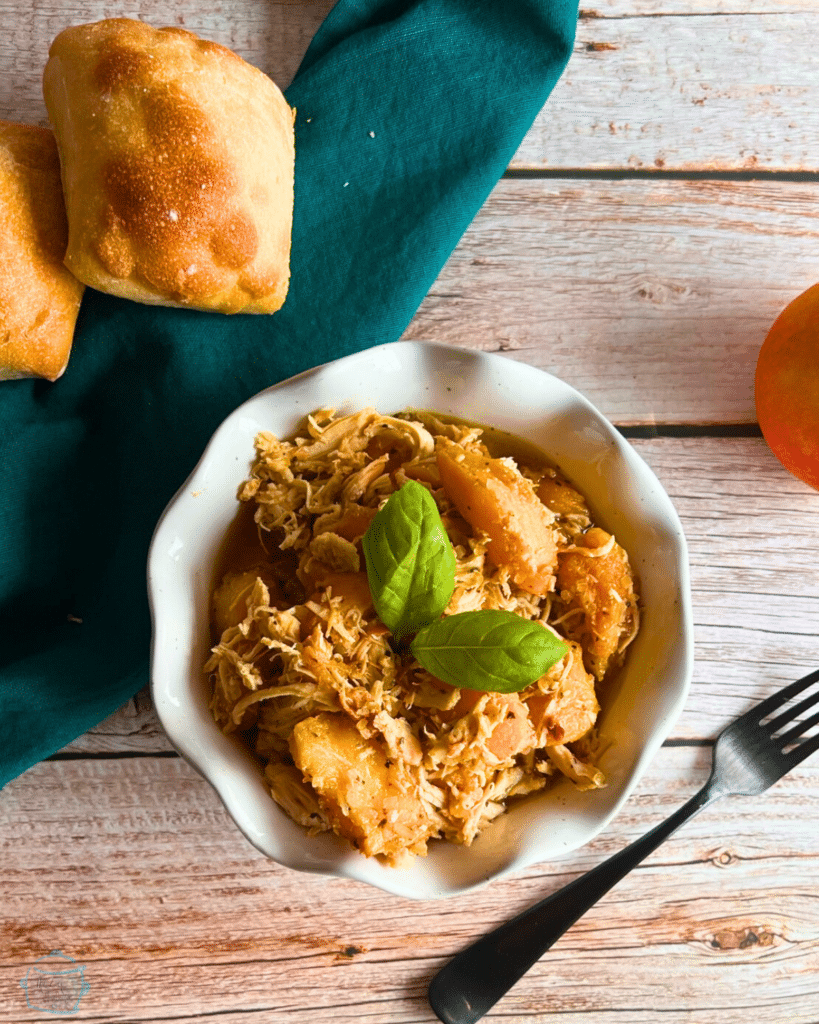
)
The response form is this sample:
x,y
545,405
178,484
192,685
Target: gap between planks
x,y
654,174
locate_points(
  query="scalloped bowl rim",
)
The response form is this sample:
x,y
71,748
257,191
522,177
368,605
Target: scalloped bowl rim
x,y
486,388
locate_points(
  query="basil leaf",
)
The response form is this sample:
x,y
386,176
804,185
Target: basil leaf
x,y
410,561
487,650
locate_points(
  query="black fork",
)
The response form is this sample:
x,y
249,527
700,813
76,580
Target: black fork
x,y
750,755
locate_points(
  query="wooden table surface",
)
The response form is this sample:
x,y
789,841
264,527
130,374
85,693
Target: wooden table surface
x,y
657,217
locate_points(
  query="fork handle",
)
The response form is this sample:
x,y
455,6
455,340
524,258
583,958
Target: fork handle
x,y
474,980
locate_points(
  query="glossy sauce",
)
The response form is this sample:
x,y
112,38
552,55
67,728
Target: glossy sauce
x,y
242,547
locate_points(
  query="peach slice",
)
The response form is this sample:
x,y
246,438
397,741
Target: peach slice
x,y
494,497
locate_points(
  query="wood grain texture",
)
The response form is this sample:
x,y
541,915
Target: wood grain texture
x,y
751,531
133,868
650,297
684,86
688,85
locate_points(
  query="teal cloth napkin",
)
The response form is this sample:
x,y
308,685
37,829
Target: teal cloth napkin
x,y
408,113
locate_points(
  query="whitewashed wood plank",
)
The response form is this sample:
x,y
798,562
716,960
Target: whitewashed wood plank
x,y
650,297
685,85
133,868
722,87
690,8
751,528
749,525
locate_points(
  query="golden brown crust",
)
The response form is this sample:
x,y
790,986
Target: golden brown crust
x,y
177,165
39,298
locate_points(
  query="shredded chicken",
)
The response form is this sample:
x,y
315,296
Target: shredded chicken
x,y
355,736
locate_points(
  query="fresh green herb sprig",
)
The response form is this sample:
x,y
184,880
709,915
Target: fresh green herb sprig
x,y
411,572
491,650
410,561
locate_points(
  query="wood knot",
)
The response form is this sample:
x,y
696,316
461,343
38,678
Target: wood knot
x,y
349,952
723,858
741,938
659,293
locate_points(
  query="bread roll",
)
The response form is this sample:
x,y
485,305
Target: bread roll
x,y
177,162
39,299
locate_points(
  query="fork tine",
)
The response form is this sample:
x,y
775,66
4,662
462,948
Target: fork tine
x,y
776,700
790,714
799,753
798,730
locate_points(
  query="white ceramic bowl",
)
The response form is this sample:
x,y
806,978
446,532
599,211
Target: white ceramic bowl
x,y
639,711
